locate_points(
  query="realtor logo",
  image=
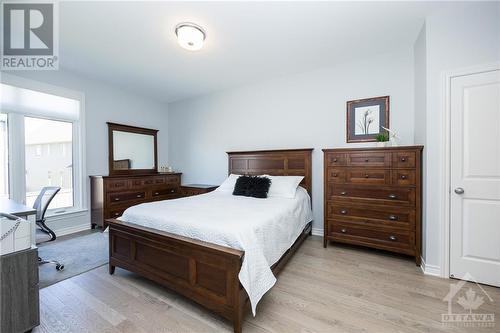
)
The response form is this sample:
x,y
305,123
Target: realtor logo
x,y
470,298
29,32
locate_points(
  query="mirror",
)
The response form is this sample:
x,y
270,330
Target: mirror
x,y
132,150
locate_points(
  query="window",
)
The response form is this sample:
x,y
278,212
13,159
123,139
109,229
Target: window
x,y
4,157
44,132
48,159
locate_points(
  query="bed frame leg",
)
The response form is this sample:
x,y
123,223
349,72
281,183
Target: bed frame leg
x,y
111,269
237,323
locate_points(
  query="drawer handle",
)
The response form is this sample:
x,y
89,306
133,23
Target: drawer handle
x,y
367,176
172,191
335,160
403,159
343,211
393,217
157,193
343,230
392,196
393,238
403,176
343,193
334,175
117,199
367,160
139,195
117,214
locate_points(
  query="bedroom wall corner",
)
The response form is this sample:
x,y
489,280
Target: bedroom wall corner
x,y
420,98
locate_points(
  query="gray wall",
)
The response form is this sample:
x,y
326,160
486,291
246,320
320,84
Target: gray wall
x,y
461,35
301,111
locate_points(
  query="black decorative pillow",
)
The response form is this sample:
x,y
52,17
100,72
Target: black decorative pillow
x,y
252,186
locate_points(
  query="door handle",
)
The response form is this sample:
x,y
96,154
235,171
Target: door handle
x,y
459,190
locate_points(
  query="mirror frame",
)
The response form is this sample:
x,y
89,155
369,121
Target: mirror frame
x,y
131,129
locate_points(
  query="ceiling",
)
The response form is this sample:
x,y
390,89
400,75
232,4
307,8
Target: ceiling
x,y
132,44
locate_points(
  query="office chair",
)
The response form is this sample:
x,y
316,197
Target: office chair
x,y
41,204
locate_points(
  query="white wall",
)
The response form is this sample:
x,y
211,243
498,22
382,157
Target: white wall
x,y
300,111
459,36
104,103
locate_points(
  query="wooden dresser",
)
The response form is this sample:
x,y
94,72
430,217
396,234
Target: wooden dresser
x,y
372,197
111,195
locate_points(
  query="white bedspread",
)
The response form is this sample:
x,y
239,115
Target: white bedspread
x,y
264,228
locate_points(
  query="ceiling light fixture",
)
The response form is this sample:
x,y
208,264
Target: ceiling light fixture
x,y
190,36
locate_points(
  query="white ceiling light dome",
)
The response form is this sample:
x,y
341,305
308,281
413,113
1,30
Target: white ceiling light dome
x,y
190,36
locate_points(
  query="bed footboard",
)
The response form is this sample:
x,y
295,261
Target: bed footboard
x,y
204,272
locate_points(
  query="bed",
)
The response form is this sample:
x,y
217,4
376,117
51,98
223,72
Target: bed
x,y
206,272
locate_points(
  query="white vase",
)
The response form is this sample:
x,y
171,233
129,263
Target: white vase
x,y
381,144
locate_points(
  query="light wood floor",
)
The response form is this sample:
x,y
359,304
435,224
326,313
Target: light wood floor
x,y
340,289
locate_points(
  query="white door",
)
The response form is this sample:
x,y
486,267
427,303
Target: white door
x,y
475,177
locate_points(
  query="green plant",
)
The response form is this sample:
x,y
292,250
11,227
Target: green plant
x,y
382,137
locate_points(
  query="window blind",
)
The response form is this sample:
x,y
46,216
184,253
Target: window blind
x,y
38,104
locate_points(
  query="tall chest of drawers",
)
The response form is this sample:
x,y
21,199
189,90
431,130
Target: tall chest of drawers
x,y
372,197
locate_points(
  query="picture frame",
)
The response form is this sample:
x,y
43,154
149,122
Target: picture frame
x,y
366,117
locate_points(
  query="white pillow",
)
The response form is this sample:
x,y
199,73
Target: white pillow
x,y
228,184
284,186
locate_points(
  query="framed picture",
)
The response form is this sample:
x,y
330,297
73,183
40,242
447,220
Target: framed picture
x,y
365,118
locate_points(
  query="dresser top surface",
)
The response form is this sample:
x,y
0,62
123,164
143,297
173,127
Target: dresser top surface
x,y
202,186
372,148
140,176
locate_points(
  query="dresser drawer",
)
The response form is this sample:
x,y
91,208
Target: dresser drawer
x,y
173,179
368,176
374,159
372,215
115,212
383,237
116,185
159,180
166,191
336,175
118,198
136,183
379,195
333,159
403,177
404,159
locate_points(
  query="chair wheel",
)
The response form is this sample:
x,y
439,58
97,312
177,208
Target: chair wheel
x,y
59,267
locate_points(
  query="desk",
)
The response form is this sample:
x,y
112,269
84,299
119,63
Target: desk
x,y
11,207
20,311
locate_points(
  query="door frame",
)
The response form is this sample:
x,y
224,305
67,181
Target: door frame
x,y
445,149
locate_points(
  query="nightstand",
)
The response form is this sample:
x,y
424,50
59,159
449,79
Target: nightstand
x,y
196,189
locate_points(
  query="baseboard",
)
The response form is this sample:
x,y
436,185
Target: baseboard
x,y
71,230
69,223
430,269
317,232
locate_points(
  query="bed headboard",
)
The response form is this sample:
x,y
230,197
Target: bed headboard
x,y
283,162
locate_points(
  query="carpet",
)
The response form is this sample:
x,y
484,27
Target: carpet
x,y
78,255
